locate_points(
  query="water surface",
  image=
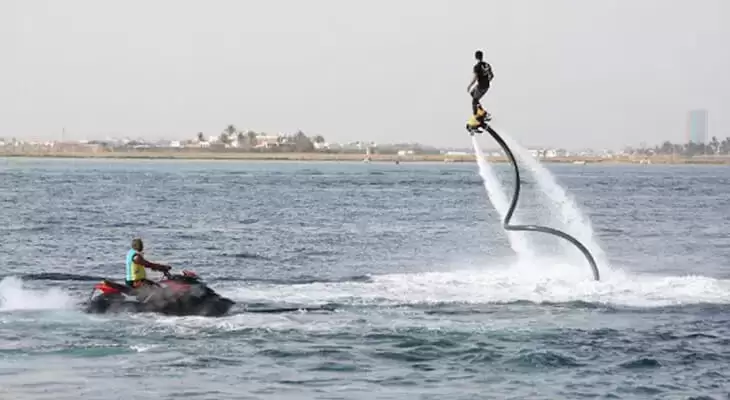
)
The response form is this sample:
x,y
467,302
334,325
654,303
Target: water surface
x,y
430,301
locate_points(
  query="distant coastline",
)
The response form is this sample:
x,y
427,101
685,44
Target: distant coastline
x,y
324,156
233,144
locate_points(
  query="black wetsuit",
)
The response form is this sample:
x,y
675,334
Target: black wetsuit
x,y
484,75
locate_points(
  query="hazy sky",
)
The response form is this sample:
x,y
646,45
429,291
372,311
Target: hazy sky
x,y
567,73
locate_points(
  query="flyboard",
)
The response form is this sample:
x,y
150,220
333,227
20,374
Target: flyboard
x,y
516,195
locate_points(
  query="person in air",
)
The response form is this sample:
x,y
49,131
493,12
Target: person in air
x,y
136,275
483,76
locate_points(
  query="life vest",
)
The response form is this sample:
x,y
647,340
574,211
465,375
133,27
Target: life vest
x,y
135,272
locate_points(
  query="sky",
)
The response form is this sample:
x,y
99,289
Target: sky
x,y
568,73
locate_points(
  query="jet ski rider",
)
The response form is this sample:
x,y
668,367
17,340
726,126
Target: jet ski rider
x,y
136,263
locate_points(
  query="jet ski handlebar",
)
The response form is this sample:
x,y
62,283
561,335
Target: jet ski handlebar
x,y
184,272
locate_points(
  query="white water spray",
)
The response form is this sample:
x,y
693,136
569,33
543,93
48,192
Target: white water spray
x,y
571,220
518,241
14,296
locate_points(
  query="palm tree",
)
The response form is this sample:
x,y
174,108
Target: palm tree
x,y
715,145
725,146
302,142
252,140
227,134
201,138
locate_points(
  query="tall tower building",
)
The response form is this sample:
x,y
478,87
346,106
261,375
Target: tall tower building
x,y
697,126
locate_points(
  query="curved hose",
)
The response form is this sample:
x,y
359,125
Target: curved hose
x,y
535,228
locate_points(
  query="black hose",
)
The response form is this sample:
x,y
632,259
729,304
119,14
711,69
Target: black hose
x,y
535,228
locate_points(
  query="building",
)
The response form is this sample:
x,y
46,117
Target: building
x,y
697,126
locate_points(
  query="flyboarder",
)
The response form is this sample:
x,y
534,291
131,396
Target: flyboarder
x,y
483,76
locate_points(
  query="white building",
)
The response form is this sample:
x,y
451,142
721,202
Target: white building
x,y
267,141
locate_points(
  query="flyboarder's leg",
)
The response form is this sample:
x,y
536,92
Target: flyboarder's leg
x,y
479,114
476,106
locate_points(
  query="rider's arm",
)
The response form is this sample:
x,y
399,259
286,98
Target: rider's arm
x,y
474,79
157,267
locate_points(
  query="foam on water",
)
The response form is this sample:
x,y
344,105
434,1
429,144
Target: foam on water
x,y
14,296
498,286
550,281
553,281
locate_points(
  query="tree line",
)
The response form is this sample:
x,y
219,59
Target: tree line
x,y
249,140
689,149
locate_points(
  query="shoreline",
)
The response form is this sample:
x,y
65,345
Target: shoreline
x,y
350,157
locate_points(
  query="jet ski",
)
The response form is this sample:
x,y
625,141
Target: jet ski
x,y
181,294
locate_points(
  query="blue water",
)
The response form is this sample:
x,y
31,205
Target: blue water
x,y
429,299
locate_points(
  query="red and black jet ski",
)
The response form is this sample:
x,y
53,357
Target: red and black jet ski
x,y
179,294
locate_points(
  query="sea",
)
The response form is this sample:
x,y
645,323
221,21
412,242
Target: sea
x,y
425,295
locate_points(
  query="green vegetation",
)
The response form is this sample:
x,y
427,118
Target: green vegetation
x,y
690,149
233,140
253,141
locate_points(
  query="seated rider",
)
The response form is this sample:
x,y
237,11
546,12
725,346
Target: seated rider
x,y
136,263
